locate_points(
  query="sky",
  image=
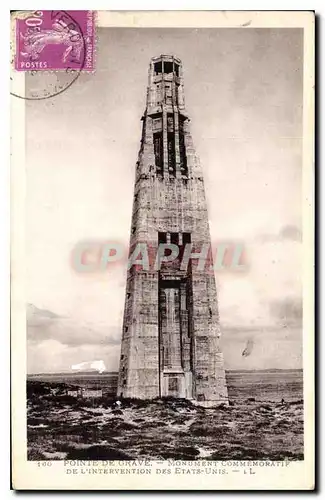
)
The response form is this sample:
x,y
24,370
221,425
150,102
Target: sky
x,y
243,93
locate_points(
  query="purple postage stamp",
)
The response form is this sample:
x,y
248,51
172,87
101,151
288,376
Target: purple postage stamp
x,y
55,40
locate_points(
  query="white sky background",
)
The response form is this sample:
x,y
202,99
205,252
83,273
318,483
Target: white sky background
x,y
243,91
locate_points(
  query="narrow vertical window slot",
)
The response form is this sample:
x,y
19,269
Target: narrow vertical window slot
x,y
158,150
171,153
182,149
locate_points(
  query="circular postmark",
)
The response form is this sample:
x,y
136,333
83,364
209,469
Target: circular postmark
x,y
50,54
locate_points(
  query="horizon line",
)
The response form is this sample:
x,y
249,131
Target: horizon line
x,y
94,372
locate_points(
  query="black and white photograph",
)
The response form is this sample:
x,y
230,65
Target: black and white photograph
x,y
165,247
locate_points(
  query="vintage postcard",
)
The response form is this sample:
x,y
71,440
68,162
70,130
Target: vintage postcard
x,y
162,250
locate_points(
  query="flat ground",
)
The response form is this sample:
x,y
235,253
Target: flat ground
x,y
63,427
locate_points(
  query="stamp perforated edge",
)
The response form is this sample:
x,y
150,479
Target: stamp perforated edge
x,y
20,15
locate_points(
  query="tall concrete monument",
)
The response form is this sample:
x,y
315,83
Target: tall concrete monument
x,y
170,338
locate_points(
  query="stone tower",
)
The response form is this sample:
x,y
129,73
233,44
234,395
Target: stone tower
x,y
170,338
